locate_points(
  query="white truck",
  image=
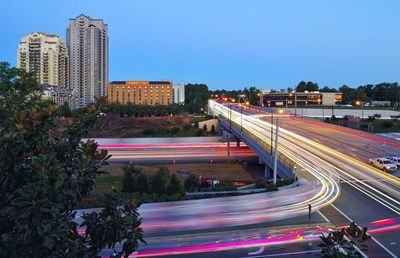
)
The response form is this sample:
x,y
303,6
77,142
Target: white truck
x,y
396,161
384,164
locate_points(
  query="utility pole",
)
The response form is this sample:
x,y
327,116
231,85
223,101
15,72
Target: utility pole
x,y
272,123
230,118
295,104
241,119
276,151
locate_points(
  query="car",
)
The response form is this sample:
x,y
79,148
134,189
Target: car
x,y
384,164
396,161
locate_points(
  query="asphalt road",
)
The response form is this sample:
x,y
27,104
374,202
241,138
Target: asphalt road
x,y
367,194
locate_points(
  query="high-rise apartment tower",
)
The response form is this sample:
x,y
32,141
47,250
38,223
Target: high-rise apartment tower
x,y
87,41
46,57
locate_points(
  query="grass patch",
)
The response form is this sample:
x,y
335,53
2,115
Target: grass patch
x,y
386,125
108,182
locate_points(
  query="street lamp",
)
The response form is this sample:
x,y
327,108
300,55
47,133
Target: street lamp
x,y
360,104
272,123
241,119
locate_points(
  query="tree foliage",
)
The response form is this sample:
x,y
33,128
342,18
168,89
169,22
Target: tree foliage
x,y
307,86
341,243
45,172
196,97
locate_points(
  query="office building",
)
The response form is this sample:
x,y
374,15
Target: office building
x,y
274,99
46,57
179,93
87,41
140,92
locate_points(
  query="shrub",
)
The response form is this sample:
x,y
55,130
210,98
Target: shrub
x,y
129,181
175,185
174,130
142,183
213,129
186,127
148,131
205,128
191,182
225,185
377,116
200,132
387,124
159,183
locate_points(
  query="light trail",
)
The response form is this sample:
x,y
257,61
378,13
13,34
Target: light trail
x,y
220,241
319,168
352,171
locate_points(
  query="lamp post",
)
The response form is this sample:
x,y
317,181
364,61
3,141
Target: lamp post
x,y
276,152
241,119
230,118
272,123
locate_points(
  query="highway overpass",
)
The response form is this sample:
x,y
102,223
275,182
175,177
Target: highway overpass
x,y
367,194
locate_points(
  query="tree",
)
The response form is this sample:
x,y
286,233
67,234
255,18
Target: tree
x,y
46,175
205,129
341,243
159,182
142,183
175,185
129,182
327,89
196,97
191,182
309,86
213,129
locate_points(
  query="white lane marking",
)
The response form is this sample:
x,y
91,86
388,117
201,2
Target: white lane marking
x,y
259,251
323,216
362,180
283,254
373,238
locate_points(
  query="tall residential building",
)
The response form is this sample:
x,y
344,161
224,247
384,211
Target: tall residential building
x,y
46,57
140,92
87,41
179,93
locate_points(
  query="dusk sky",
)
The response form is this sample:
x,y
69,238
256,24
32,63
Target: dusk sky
x,y
228,44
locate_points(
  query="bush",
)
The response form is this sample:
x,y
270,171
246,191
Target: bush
x,y
205,128
377,116
175,130
200,132
175,185
387,124
148,131
142,183
191,182
129,182
159,181
186,127
225,185
212,129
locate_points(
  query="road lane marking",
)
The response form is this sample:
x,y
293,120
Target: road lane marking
x,y
284,254
373,238
323,216
259,251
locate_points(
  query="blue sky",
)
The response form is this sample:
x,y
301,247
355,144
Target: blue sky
x,y
231,44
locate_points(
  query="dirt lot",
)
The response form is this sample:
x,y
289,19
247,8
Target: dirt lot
x,y
218,171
